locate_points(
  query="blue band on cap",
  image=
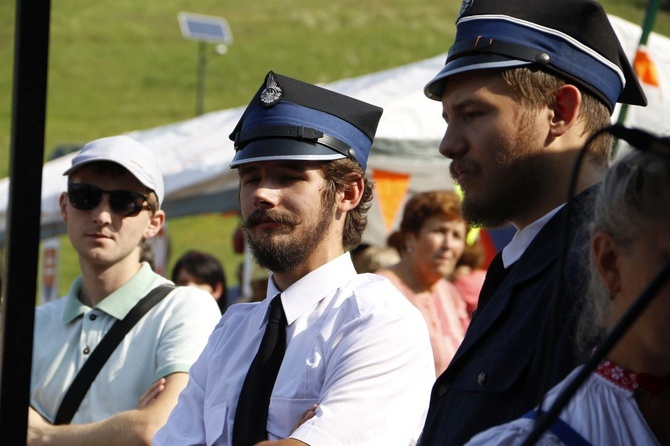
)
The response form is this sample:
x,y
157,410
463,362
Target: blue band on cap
x,y
566,54
288,114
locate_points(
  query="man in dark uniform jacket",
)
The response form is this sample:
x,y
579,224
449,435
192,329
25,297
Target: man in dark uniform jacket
x,y
525,85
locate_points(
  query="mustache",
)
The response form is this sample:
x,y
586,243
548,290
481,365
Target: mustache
x,y
462,166
258,216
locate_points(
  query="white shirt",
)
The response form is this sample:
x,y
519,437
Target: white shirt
x,y
601,412
168,339
521,240
355,346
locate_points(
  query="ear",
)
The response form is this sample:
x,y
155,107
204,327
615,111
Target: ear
x,y
218,291
62,204
352,195
410,241
565,109
155,224
606,255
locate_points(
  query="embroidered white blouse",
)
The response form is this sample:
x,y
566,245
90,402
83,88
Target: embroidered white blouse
x,y
603,411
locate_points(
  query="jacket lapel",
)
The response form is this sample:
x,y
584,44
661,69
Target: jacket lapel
x,y
541,254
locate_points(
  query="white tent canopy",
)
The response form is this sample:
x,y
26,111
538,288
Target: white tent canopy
x,y
194,154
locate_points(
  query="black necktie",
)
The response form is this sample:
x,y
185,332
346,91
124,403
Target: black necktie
x,y
251,415
494,277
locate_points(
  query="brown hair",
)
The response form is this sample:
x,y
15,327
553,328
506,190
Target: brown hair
x,y
396,240
424,205
339,174
535,89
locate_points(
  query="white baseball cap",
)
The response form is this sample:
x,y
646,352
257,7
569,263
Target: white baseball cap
x,y
127,152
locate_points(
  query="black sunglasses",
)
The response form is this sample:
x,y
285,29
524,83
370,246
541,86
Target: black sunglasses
x,y
122,202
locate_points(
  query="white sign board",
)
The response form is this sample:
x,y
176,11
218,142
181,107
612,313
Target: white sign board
x,y
205,28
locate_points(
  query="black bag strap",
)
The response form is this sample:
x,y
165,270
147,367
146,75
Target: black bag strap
x,y
79,387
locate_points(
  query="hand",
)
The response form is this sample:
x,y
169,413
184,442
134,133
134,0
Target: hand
x,y
306,415
37,425
149,397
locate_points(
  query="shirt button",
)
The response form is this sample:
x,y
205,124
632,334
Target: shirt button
x,y
87,350
443,389
481,379
93,317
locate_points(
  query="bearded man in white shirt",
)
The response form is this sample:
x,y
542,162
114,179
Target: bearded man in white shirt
x,y
357,355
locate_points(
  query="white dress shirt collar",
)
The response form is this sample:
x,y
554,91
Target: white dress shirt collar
x,y
308,291
522,239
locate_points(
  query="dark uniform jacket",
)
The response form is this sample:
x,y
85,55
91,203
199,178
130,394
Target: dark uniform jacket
x,y
497,373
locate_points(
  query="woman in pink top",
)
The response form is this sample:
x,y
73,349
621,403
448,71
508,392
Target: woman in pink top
x,y
432,240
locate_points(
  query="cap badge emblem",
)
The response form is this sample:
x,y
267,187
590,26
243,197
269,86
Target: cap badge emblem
x,y
464,8
272,93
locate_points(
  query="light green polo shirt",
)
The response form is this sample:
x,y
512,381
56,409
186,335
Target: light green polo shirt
x,y
168,339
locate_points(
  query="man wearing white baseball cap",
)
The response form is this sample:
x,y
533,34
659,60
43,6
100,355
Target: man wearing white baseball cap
x,y
122,329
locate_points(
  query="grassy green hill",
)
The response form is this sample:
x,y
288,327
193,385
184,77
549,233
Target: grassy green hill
x,y
123,65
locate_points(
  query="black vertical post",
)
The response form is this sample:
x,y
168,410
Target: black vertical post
x,y
31,53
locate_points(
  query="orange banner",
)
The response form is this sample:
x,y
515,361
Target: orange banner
x,y
391,189
644,68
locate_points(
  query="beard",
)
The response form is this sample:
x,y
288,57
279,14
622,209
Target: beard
x,y
517,183
284,249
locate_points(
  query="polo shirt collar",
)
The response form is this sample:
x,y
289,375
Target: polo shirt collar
x,y
119,303
74,307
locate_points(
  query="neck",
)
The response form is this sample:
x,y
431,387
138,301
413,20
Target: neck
x,y
413,277
318,258
99,282
556,194
630,355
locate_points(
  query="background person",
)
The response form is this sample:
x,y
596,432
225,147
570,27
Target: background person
x,y
468,277
433,239
115,190
254,291
202,270
524,86
627,398
370,258
354,363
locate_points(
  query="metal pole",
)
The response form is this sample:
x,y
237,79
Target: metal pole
x,y
31,51
200,95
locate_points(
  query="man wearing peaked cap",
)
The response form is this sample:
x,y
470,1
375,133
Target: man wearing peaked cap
x,y
330,356
525,85
111,205
572,39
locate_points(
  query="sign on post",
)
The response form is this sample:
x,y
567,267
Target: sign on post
x,y
205,28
